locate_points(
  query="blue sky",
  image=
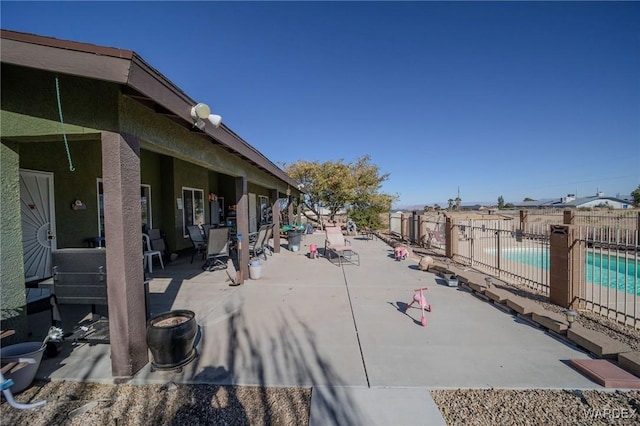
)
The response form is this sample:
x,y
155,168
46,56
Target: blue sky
x,y
512,99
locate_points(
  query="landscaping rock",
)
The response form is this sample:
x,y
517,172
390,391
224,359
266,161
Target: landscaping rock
x,y
425,263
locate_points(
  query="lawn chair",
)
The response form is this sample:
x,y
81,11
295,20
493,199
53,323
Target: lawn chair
x,y
217,249
258,242
267,247
197,239
336,243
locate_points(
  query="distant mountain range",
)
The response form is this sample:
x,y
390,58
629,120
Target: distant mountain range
x,y
443,205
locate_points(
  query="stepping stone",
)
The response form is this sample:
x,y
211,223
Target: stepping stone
x,y
550,320
597,343
478,288
630,361
497,295
522,306
606,373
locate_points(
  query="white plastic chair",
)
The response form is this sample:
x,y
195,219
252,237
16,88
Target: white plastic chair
x,y
149,253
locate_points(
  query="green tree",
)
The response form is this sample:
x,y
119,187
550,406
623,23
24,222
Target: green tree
x,y
437,207
450,202
636,196
528,199
500,202
335,184
458,200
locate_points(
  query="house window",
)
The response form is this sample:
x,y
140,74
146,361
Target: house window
x,y
192,208
145,206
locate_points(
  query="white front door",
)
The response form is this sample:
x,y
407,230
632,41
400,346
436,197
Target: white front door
x,y
38,223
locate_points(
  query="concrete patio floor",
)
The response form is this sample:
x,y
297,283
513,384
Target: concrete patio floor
x,y
343,331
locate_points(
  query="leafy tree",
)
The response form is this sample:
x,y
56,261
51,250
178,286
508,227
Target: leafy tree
x,y
458,200
528,199
450,202
509,206
636,196
437,207
500,202
335,184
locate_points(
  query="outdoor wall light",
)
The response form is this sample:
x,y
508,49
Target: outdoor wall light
x,y
201,112
488,281
571,316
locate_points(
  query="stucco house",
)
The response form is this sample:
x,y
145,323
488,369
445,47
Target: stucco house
x,y
97,145
599,200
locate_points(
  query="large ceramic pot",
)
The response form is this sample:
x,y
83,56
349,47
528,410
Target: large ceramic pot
x,y
170,338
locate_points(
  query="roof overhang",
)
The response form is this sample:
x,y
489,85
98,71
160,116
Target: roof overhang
x,y
138,79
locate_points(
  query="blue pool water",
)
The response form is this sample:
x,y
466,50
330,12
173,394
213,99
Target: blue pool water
x,y
620,273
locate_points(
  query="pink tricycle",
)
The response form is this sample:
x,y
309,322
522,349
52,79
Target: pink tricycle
x,y
418,296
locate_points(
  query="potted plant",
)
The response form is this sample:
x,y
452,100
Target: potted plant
x,y
170,338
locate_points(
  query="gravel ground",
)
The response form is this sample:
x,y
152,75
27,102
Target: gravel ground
x,y
84,404
538,407
71,403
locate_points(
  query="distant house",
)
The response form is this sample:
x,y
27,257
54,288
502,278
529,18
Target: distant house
x,y
572,202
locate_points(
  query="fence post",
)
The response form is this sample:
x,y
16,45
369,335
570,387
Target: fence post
x,y
451,237
564,266
414,226
524,216
420,230
568,217
404,226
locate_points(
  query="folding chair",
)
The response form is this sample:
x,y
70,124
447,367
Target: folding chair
x,y
198,240
336,243
217,249
258,241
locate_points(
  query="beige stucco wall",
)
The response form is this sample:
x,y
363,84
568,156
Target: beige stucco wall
x,y
12,296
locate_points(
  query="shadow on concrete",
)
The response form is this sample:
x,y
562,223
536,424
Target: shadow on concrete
x,y
277,358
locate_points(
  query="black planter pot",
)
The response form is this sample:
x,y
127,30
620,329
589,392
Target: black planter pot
x,y
170,338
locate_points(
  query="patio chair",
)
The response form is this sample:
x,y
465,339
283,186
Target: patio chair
x,y
157,241
267,239
258,242
198,240
335,242
217,249
149,253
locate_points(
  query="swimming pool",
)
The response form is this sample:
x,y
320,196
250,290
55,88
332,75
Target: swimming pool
x,y
620,273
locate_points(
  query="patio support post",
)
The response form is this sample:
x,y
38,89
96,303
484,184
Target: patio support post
x,y
242,218
275,209
123,234
299,212
421,239
451,237
290,211
564,266
12,294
